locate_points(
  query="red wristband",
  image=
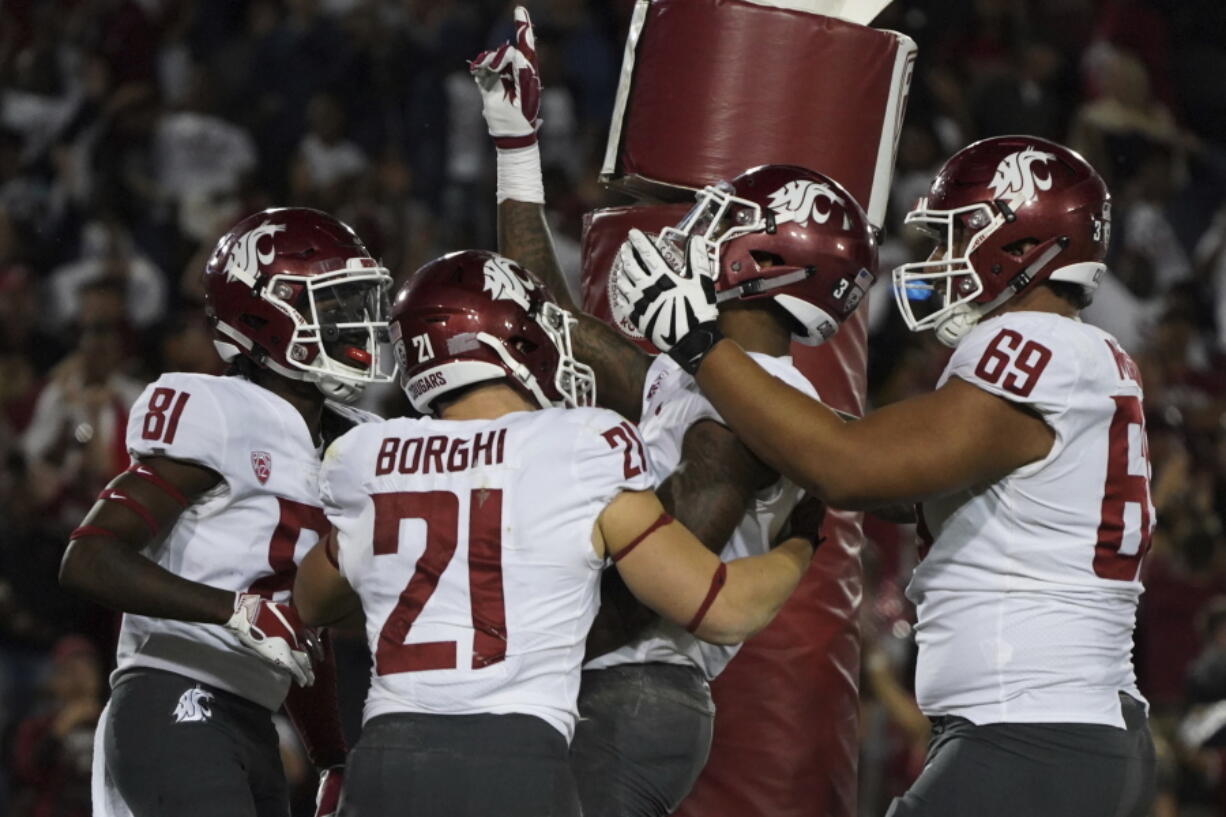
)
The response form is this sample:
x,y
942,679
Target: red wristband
x,y
717,584
660,522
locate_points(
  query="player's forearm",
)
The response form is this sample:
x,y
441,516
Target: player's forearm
x,y
114,575
322,609
713,486
321,595
795,434
620,620
755,589
619,365
524,237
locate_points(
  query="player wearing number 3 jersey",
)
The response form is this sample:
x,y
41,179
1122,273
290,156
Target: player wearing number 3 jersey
x,y
198,541
1030,461
474,540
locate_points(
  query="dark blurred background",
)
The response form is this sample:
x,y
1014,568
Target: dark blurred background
x,y
133,132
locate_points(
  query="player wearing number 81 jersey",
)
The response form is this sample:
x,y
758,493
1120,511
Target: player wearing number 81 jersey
x,y
197,543
474,539
1030,462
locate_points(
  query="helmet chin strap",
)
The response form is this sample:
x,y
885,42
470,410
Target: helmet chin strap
x,y
756,286
520,372
333,388
963,317
340,390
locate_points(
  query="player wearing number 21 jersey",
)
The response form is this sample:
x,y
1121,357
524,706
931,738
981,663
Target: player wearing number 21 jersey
x,y
474,540
197,543
1030,461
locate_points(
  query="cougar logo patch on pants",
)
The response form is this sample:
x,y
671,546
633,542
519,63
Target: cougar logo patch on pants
x,y
194,707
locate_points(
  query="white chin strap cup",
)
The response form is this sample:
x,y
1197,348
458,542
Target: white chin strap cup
x,y
951,330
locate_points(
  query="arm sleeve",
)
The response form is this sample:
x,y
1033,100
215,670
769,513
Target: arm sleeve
x,y
181,417
1022,361
610,457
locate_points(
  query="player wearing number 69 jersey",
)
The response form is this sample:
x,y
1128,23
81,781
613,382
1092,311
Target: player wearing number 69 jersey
x,y
1030,461
198,541
474,540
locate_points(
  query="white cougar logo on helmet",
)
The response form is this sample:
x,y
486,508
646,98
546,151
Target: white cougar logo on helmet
x,y
245,256
798,199
194,706
1017,180
503,284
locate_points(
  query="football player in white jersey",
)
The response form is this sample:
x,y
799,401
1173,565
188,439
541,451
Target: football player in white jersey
x,y
197,542
794,271
474,540
1030,461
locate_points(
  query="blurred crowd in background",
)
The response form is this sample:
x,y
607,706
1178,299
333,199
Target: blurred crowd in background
x,y
134,132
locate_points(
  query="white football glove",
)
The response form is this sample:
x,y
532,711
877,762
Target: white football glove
x,y
275,633
510,84
674,309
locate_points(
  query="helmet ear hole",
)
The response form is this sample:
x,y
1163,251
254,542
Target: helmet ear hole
x,y
254,321
522,345
1021,246
765,259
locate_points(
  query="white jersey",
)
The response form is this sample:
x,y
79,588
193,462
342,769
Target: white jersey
x,y
248,533
1027,595
470,545
672,403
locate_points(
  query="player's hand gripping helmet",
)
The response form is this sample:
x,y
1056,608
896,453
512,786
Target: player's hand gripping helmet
x,y
789,234
1007,213
297,291
474,316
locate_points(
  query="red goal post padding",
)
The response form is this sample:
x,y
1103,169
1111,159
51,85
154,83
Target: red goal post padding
x,y
710,88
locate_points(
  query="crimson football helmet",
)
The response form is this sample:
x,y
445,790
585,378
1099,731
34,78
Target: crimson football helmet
x,y
297,291
1007,213
789,234
473,316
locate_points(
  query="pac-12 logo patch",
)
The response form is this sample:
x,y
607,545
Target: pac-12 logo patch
x,y
193,706
261,464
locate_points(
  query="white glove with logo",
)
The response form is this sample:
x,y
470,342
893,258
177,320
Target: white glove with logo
x,y
510,84
275,633
674,309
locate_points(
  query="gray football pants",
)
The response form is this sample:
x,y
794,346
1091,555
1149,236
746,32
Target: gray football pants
x,y
174,747
420,765
643,737
1035,770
